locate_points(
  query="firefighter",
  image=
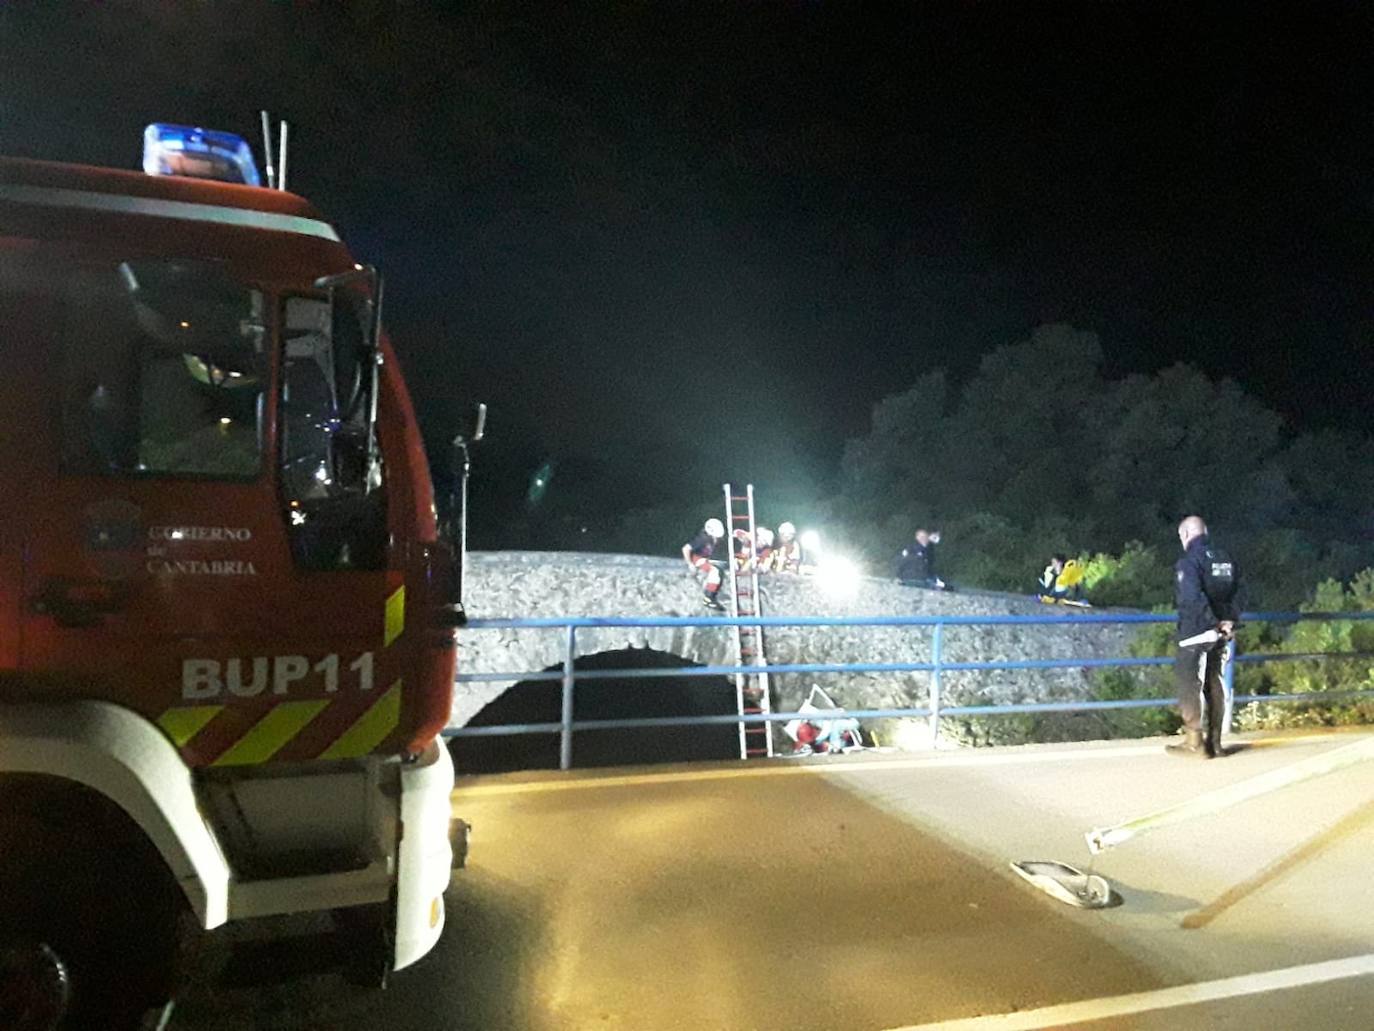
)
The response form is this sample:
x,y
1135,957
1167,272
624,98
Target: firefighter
x,y
743,549
697,554
787,554
763,549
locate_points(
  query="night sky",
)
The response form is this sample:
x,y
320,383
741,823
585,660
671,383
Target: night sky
x,y
680,242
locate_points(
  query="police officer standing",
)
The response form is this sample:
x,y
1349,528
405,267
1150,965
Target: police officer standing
x,y
1209,595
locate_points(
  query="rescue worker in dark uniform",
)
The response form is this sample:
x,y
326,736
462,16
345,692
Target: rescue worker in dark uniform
x,y
1209,594
916,562
1049,579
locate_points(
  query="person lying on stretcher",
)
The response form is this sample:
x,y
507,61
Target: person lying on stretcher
x,y
824,727
836,735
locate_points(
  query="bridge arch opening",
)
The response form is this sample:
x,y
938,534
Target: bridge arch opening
x,y
541,701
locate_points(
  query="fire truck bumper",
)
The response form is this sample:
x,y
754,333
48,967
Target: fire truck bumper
x,y
425,858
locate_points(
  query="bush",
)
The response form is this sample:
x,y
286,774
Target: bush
x,y
1329,637
1152,640
1137,578
1311,676
1281,716
991,552
1122,684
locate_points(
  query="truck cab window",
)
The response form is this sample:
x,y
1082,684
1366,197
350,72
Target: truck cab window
x,y
332,486
163,369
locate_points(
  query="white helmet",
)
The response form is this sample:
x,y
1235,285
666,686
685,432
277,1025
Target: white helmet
x,y
714,527
787,531
764,536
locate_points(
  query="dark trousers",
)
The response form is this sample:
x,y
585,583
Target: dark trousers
x,y
1205,661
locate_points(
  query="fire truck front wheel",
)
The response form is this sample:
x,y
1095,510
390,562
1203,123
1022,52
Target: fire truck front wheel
x,y
89,928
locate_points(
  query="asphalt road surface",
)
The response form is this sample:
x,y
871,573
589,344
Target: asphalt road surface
x,y
873,892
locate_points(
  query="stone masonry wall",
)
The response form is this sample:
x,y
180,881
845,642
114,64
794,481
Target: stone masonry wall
x,y
533,584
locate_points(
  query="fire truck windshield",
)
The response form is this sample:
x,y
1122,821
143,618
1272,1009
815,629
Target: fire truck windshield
x,y
162,363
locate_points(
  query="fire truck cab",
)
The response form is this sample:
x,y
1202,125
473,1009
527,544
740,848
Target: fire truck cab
x,y
226,613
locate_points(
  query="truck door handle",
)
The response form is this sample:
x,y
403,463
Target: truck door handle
x,y
78,603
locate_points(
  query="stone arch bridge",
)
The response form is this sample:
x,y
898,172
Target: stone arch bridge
x,y
512,584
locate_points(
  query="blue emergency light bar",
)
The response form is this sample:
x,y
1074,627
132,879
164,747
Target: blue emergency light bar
x,y
198,154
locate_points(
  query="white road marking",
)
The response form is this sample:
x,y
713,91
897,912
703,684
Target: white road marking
x,y
1162,998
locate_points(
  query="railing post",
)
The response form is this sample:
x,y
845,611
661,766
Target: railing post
x,y
935,685
565,742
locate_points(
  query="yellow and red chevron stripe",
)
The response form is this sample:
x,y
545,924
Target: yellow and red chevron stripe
x,y
246,735
250,731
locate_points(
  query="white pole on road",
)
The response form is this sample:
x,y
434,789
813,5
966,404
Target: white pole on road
x,y
1102,838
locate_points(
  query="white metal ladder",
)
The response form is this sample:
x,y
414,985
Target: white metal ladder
x,y
751,689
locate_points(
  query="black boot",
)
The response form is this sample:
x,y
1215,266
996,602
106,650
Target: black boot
x,y
1214,746
1192,744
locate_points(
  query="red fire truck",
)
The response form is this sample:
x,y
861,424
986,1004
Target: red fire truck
x,y
226,614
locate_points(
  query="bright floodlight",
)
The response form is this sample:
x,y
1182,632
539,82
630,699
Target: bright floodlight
x,y
838,576
911,735
811,541
185,150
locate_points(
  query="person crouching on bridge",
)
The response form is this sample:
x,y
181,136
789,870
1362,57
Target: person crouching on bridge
x,y
916,562
1210,594
697,554
743,549
763,549
787,553
1062,581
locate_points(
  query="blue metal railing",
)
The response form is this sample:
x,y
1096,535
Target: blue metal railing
x,y
934,710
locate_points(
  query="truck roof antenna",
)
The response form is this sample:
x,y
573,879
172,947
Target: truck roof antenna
x,y
281,158
267,151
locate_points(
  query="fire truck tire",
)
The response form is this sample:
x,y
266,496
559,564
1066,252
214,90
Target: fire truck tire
x,y
90,921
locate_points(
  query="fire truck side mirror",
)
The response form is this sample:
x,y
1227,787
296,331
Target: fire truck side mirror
x,y
458,507
469,434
